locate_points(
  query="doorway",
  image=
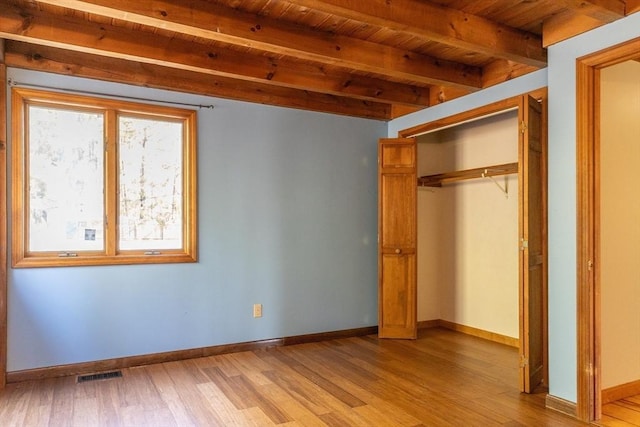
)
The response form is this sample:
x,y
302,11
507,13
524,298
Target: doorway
x,y
604,271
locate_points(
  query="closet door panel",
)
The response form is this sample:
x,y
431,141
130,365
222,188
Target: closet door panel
x,y
397,234
533,250
397,299
398,195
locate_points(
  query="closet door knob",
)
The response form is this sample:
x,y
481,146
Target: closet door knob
x,y
398,251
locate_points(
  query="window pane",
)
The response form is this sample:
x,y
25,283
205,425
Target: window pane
x,y
150,183
66,184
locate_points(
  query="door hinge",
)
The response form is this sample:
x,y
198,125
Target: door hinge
x,y
524,244
523,361
523,126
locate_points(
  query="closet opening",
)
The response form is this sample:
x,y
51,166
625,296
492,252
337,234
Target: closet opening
x,y
480,229
467,222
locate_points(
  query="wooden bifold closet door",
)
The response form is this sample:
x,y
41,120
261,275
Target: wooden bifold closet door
x,y
533,263
397,238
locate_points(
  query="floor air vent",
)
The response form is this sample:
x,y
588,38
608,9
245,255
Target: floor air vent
x,y
101,376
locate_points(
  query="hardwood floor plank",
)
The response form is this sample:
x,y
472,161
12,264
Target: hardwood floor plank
x,y
633,399
190,368
318,379
344,418
225,409
621,412
169,394
109,401
386,416
299,414
441,379
62,406
629,404
304,392
255,417
238,396
262,401
527,409
199,410
607,421
139,382
39,409
86,411
15,408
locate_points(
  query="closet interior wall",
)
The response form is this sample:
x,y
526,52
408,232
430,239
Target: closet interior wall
x,y
468,230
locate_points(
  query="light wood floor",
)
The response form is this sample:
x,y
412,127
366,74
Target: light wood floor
x,y
624,412
442,379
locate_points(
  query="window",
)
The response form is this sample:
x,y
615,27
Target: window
x,y
98,181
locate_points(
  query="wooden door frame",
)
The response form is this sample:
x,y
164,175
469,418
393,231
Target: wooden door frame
x,y
3,218
483,112
588,68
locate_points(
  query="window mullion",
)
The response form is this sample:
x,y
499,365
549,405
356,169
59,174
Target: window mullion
x,y
111,181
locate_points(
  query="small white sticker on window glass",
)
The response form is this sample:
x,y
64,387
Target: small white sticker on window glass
x,y
89,234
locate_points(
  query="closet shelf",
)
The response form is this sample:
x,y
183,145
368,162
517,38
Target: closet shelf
x,y
486,172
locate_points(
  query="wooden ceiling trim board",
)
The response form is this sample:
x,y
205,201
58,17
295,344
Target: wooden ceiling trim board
x,y
475,7
226,25
441,24
60,61
602,10
632,6
511,11
501,70
566,25
401,110
443,94
79,35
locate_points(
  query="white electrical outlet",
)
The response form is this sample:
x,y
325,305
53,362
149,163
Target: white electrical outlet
x,y
257,310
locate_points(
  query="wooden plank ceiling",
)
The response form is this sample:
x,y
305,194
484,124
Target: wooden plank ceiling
x,y
365,58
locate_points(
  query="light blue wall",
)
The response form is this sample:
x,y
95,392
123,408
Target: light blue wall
x,y
560,77
562,196
288,214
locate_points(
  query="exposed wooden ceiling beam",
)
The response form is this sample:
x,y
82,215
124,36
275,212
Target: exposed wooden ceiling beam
x,y
441,24
60,61
83,36
222,24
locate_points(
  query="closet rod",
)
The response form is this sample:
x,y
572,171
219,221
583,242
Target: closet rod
x,y
485,172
